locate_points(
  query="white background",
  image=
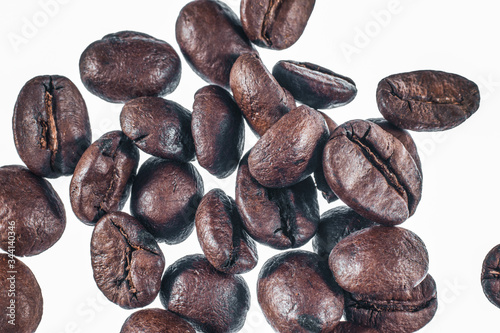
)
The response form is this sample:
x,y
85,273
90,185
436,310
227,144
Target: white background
x,y
457,216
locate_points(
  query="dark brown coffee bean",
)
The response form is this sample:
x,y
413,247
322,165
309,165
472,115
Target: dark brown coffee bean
x,y
103,177
220,233
490,276
159,127
427,100
128,64
32,216
260,97
397,311
358,153
297,293
347,327
218,131
210,300
281,218
313,85
51,125
335,225
290,150
21,299
275,24
156,321
126,260
379,260
165,197
211,38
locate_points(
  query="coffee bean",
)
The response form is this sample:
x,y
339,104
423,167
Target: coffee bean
x,y
260,97
220,233
275,24
281,218
165,197
360,153
103,177
155,321
313,85
218,131
290,150
126,261
51,125
159,127
297,293
347,327
32,216
211,38
210,300
335,225
128,64
427,100
21,298
490,276
397,311
379,260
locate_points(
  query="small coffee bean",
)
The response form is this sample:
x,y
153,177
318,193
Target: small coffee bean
x,y
165,196
313,85
220,233
281,218
32,216
290,150
159,127
103,177
297,293
427,100
128,64
51,125
211,38
210,300
126,261
347,327
490,276
379,260
156,321
260,97
218,131
359,153
275,24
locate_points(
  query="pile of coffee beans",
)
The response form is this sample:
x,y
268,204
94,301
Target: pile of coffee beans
x,y
368,274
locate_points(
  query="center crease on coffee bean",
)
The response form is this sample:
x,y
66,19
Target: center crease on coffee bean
x,y
426,99
286,211
391,306
48,137
269,19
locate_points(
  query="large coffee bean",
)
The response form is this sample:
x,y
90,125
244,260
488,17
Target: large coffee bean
x,y
490,276
51,125
32,216
427,100
128,64
156,321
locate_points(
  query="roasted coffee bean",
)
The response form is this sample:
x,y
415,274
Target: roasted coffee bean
x,y
218,131
21,298
220,233
335,225
379,260
128,64
281,218
165,197
297,293
260,97
347,327
211,38
359,152
51,125
210,300
275,24
156,321
103,177
427,100
31,209
126,260
159,127
397,311
291,150
490,276
313,85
